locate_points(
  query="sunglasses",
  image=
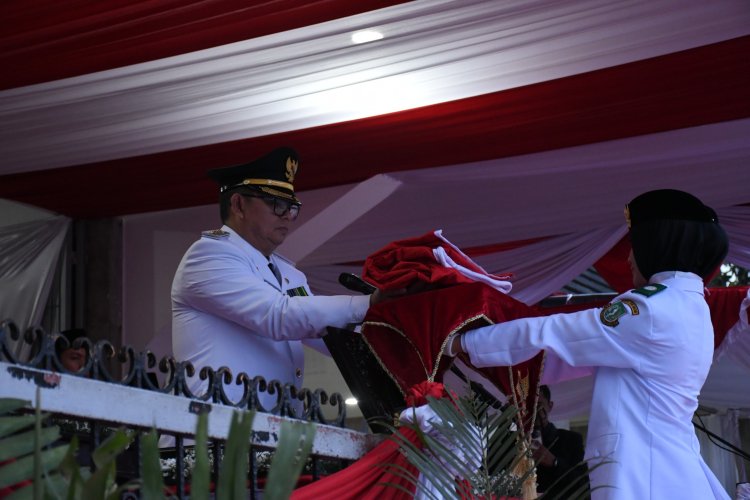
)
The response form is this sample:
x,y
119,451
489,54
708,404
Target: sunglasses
x,y
280,207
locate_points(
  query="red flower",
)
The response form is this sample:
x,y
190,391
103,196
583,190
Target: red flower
x,y
418,393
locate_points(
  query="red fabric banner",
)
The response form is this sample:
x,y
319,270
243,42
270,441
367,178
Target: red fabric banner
x,y
408,335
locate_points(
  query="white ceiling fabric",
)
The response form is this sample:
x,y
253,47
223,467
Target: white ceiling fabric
x,y
434,51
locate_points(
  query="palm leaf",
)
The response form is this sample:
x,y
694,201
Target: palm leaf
x,y
53,470
152,481
21,444
437,475
295,445
73,474
468,438
12,424
53,482
22,469
234,464
102,482
200,487
8,405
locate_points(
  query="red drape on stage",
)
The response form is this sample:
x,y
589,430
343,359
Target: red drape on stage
x,y
365,479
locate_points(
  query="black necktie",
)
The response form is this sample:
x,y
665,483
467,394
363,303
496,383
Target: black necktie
x,y
275,271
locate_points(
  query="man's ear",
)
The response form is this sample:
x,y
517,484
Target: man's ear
x,y
551,404
235,205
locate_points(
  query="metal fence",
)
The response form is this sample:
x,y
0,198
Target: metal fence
x,y
93,401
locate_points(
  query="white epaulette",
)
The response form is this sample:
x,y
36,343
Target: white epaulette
x,y
215,234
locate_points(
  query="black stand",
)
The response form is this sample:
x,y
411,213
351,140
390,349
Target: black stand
x,y
378,396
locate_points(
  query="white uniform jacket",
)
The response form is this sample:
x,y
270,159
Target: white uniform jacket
x,y
652,349
229,310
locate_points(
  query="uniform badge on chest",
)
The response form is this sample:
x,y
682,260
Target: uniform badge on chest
x,y
297,292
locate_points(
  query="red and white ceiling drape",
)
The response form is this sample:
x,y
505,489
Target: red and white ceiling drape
x,y
451,83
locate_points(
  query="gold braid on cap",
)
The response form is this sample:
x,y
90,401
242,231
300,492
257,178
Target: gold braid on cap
x,y
266,182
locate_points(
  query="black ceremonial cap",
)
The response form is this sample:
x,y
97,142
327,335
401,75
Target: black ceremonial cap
x,y
272,174
667,204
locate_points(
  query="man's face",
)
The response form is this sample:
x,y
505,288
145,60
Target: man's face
x,y
544,406
258,224
73,359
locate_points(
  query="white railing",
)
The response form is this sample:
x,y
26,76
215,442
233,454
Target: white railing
x,y
120,405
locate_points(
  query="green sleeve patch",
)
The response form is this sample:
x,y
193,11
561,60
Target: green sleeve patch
x,y
649,290
610,315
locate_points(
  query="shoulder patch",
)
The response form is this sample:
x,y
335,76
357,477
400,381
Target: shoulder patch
x,y
649,290
216,234
610,315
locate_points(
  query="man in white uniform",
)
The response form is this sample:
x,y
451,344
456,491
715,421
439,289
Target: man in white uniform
x,y
650,351
236,303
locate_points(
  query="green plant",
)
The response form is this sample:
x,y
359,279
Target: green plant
x,y
31,458
295,445
467,441
39,466
469,451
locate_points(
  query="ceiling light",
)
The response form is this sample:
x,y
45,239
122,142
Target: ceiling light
x,y
366,36
350,401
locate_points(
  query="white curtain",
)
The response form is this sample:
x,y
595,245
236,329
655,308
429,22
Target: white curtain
x,y
723,463
29,253
736,344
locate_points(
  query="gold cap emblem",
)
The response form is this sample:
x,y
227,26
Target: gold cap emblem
x,y
291,169
627,215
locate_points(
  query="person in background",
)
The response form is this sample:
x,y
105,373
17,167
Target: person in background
x,y
649,350
72,359
558,455
237,303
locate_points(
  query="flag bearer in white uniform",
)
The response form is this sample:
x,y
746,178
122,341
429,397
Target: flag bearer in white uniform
x,y
650,351
235,302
